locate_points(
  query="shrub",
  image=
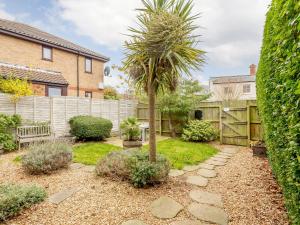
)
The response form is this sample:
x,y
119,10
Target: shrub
x,y
130,129
89,127
8,124
199,131
14,198
47,157
134,165
279,106
111,93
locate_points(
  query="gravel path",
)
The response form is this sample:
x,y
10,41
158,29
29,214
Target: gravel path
x,y
249,192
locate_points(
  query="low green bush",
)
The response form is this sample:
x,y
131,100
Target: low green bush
x,y
134,165
199,131
14,198
47,157
8,124
90,128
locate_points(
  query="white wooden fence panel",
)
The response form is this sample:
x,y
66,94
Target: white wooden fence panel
x,y
59,110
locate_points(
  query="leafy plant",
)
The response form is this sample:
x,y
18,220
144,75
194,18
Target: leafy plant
x,y
134,166
130,129
8,124
90,128
47,157
161,50
111,93
278,78
16,87
14,198
198,130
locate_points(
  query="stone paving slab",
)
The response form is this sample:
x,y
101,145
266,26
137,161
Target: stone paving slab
x,y
176,173
134,222
188,222
223,156
226,154
190,168
230,150
197,180
208,213
63,195
165,208
215,163
76,166
218,159
204,197
206,166
207,173
89,169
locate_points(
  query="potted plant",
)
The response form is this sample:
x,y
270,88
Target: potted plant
x,y
130,129
258,148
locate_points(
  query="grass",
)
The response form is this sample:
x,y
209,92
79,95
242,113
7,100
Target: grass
x,y
181,153
18,159
90,153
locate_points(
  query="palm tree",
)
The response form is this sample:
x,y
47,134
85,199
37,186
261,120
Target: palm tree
x,y
161,50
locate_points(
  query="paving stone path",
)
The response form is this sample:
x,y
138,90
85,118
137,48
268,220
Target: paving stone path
x,y
206,207
63,195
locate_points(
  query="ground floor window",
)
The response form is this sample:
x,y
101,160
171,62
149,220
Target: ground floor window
x,y
54,91
88,94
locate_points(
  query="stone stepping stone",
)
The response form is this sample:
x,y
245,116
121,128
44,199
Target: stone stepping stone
x,y
190,168
176,173
204,197
206,166
215,163
226,154
188,222
89,169
197,180
75,166
219,159
223,156
208,213
165,208
207,173
230,150
63,195
134,222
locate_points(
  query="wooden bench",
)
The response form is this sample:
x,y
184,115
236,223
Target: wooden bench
x,y
28,134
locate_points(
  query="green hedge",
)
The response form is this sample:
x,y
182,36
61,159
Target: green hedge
x,y
279,101
89,127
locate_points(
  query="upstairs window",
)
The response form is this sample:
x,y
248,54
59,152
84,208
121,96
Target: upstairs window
x,y
47,53
246,88
88,65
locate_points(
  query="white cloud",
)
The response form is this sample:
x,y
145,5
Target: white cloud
x,y
231,33
4,14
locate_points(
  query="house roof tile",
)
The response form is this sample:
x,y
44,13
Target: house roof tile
x,y
36,35
37,75
233,79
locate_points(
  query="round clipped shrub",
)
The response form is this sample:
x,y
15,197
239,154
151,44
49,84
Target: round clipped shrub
x,y
90,128
134,166
47,157
14,198
199,131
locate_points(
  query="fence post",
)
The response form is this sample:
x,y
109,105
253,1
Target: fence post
x,y
248,124
221,125
51,114
34,108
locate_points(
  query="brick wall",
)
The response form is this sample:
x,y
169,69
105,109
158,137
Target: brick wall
x,y
38,89
22,52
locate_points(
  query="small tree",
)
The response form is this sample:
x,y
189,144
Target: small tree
x,y
178,104
16,87
161,50
111,93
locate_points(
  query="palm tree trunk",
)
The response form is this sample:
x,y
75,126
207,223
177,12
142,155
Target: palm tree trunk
x,y
152,130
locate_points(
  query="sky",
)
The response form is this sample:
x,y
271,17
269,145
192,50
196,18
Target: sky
x,y
231,31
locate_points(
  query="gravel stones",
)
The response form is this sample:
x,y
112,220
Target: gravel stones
x,y
208,213
165,208
176,173
187,222
134,222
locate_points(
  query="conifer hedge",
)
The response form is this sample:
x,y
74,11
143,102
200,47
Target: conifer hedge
x,y
278,79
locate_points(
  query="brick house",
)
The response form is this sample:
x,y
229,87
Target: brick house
x,y
54,66
237,87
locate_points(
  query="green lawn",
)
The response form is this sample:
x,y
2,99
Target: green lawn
x,y
90,153
179,153
182,153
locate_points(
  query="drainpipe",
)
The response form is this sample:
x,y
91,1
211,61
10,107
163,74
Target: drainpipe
x,y
78,74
